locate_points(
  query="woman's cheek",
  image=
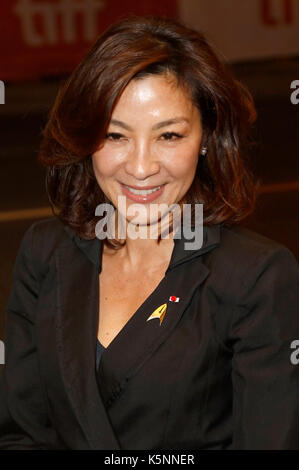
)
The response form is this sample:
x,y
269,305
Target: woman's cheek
x,y
104,163
182,162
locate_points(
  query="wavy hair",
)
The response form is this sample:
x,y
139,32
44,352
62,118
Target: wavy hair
x,y
132,48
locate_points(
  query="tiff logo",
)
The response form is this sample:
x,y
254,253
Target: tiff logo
x,y
2,92
64,11
2,353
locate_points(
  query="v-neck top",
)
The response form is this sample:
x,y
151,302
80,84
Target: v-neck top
x,y
100,350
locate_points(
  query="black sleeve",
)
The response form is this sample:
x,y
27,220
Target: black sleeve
x,y
24,422
265,375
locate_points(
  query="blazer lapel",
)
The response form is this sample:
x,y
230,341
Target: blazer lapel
x,y
76,335
78,267
140,337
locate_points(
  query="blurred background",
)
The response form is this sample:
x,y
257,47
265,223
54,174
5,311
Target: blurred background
x,y
43,40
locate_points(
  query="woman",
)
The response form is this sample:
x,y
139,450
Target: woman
x,y
150,342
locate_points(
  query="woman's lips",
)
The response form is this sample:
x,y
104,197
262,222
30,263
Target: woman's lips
x,y
142,198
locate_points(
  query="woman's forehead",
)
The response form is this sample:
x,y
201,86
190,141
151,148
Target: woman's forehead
x,y
152,93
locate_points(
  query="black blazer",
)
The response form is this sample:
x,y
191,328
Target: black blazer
x,y
216,374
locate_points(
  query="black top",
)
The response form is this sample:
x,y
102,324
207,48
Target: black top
x,y
220,371
100,350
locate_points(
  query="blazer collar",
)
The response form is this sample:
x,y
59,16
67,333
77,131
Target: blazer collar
x,y
92,248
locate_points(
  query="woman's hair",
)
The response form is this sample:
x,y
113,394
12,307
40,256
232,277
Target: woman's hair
x,y
136,47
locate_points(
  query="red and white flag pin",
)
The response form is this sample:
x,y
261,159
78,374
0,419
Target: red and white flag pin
x,y
173,298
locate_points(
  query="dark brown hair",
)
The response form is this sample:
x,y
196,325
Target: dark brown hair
x,y
134,48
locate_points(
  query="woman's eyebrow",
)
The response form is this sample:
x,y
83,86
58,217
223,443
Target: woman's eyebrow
x,y
156,126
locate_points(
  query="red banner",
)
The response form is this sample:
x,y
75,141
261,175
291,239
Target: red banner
x,y
246,29
49,37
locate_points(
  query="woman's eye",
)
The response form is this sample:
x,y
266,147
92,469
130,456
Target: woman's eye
x,y
171,136
113,136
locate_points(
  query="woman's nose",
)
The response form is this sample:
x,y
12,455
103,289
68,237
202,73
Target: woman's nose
x,y
141,162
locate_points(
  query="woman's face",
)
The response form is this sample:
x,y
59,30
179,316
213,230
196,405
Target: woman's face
x,y
152,141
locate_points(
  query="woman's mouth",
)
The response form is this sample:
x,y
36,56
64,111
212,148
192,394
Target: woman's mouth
x,y
142,195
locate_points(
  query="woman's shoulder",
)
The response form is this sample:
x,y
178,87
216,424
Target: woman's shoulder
x,y
49,231
244,256
246,246
254,280
43,237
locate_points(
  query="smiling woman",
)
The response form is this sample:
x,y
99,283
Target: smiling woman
x,y
133,79
147,345
155,157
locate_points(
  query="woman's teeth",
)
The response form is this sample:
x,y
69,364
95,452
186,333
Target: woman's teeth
x,y
143,192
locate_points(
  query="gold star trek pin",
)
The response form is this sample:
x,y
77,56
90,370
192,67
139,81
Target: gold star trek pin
x,y
158,313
